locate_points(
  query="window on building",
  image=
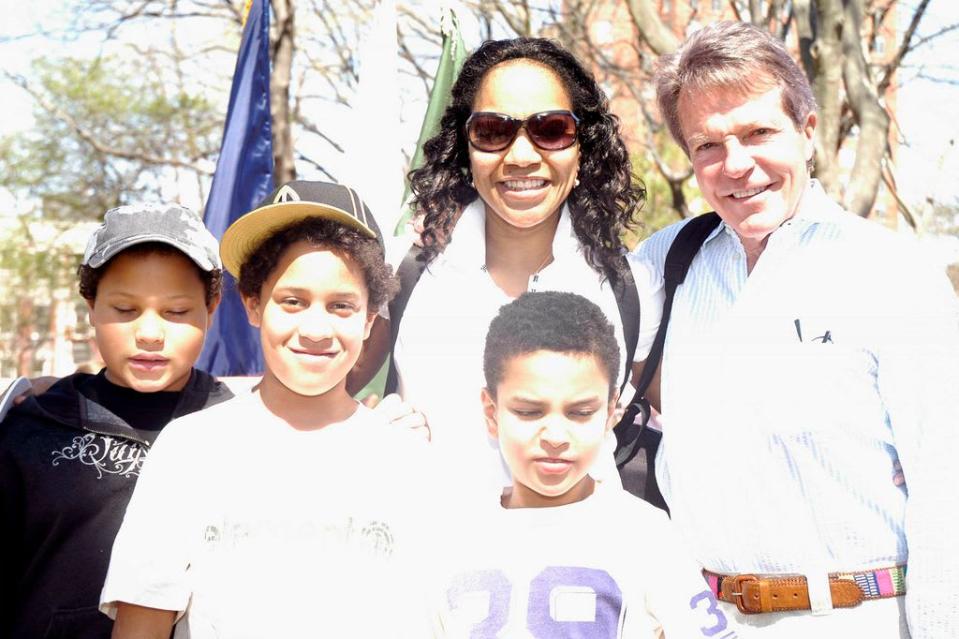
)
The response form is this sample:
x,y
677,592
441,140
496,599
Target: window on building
x,y
879,45
82,353
667,6
694,4
717,5
41,314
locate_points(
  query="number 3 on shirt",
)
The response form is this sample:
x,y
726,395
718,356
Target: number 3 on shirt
x,y
601,589
712,609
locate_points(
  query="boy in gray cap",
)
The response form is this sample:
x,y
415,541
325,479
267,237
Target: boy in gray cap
x,y
69,458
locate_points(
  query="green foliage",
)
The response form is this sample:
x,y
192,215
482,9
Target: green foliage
x,y
38,262
658,211
104,131
32,263
944,218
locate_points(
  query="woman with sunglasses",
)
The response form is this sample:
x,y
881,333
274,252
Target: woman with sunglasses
x,y
527,186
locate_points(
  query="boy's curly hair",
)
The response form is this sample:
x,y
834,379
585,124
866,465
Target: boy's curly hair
x,y
365,252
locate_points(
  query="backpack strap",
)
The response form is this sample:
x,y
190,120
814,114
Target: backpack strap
x,y
678,260
627,301
409,272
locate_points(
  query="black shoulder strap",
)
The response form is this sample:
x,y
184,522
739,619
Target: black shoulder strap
x,y
627,301
409,272
678,260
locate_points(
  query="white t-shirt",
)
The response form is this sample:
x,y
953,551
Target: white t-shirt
x,y
608,566
439,349
250,528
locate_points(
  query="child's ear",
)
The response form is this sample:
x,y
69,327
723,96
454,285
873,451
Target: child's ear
x,y
613,413
211,308
89,312
370,318
489,412
252,306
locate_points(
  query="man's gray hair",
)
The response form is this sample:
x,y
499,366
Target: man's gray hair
x,y
733,55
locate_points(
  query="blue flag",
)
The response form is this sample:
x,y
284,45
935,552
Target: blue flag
x,y
243,178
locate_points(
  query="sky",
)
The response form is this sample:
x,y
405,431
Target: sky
x,y
928,164
928,161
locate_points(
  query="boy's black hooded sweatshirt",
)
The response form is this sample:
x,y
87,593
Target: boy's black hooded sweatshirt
x,y
68,465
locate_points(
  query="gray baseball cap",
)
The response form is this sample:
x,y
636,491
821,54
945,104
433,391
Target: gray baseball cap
x,y
172,224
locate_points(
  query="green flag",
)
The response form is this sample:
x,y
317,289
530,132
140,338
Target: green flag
x,y
451,61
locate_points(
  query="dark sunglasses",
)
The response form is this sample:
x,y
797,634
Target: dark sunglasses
x,y
548,130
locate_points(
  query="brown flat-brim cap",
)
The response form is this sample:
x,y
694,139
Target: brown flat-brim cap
x,y
292,202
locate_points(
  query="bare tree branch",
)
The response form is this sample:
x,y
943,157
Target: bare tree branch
x,y
310,126
929,38
646,18
316,165
890,181
904,47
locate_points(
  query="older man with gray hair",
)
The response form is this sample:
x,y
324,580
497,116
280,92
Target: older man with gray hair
x,y
810,354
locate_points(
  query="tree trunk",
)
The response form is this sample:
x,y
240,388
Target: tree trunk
x,y
756,13
281,43
806,31
869,113
646,18
826,53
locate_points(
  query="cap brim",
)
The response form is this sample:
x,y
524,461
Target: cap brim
x,y
199,257
247,233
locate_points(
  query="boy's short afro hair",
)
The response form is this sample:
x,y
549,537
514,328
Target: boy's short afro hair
x,y
364,251
550,321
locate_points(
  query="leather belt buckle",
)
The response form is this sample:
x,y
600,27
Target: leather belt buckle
x,y
735,590
754,595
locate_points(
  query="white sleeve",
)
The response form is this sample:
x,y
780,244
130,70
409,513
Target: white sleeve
x,y
917,378
648,261
649,288
151,553
679,598
604,467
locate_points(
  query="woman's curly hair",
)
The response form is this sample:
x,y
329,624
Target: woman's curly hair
x,y
602,206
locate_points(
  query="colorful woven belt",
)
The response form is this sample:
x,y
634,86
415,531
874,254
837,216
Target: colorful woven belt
x,y
777,593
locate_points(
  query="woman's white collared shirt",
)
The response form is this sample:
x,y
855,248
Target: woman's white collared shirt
x,y
439,350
